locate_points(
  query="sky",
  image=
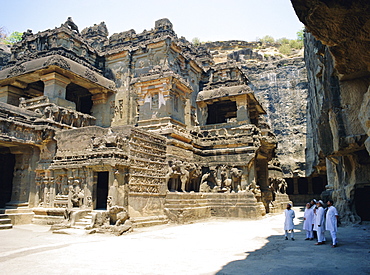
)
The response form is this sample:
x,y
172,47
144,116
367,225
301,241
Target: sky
x,y
208,20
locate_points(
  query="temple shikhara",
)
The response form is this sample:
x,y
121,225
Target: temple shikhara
x,y
143,127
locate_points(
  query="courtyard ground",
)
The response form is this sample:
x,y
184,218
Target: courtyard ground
x,y
216,246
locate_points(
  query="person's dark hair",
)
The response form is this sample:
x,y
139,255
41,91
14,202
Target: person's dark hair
x,y
331,202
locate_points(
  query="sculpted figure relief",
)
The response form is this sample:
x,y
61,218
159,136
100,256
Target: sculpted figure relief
x,y
236,176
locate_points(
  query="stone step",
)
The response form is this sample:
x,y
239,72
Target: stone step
x,y
148,221
81,224
6,226
85,220
22,215
5,221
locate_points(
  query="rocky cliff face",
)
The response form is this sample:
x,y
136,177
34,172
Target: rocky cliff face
x,y
338,99
280,84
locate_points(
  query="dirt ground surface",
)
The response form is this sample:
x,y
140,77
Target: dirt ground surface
x,y
217,246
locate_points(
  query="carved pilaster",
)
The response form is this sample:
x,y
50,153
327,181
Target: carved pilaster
x,y
55,85
242,113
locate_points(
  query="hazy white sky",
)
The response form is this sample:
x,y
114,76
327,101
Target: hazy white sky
x,y
210,20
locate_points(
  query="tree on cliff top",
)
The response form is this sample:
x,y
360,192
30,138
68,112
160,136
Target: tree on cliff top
x,y
14,37
2,34
266,39
196,41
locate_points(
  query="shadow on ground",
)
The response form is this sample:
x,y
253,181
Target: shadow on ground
x,y
280,256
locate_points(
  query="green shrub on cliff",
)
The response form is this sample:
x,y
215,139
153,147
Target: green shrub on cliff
x,y
285,49
14,37
267,39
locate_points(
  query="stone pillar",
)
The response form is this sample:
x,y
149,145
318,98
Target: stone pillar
x,y
187,111
310,187
202,113
295,189
99,108
242,113
10,95
55,89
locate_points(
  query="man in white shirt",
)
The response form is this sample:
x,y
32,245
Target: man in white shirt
x,y
319,224
331,222
289,224
308,221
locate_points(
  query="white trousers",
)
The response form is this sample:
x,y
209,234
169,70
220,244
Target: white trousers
x,y
309,234
291,234
333,236
320,234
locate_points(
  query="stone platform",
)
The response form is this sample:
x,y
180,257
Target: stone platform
x,y
17,215
185,207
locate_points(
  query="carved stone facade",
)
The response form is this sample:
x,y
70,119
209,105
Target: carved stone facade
x,y
134,121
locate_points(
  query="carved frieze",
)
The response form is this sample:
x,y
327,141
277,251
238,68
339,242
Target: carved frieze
x,y
57,61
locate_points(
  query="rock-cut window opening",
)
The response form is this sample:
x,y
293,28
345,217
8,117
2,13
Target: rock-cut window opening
x,y
221,111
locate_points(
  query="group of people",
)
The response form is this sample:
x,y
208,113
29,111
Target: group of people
x,y
316,219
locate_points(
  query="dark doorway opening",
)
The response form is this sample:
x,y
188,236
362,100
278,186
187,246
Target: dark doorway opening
x,y
290,189
7,162
220,112
81,97
102,190
318,185
302,186
362,202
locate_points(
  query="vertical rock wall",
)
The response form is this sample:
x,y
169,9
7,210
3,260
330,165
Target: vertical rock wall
x,y
337,59
281,87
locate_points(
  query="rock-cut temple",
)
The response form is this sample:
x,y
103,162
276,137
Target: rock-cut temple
x,y
145,122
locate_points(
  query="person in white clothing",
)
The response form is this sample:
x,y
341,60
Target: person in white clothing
x,y
289,224
319,224
331,222
308,221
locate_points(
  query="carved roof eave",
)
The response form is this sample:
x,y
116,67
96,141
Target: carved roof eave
x,y
227,92
258,106
60,64
175,78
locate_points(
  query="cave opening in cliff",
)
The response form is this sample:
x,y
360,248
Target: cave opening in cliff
x,y
81,97
221,111
362,202
7,161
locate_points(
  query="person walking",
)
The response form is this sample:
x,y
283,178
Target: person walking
x,y
319,224
308,221
289,224
331,223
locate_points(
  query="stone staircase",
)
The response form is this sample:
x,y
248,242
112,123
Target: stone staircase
x,y
83,221
15,216
138,222
5,221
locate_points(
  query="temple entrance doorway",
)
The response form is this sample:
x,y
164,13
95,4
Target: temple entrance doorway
x,y
102,190
7,162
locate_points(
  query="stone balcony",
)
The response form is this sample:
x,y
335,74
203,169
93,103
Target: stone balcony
x,y
62,117
233,134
